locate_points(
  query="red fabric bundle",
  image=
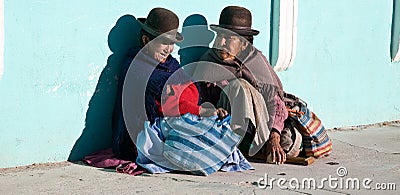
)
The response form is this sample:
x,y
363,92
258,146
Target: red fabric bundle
x,y
183,99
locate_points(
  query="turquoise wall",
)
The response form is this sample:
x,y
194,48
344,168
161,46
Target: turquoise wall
x,y
343,67
61,60
394,46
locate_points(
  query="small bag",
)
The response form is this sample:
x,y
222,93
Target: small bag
x,y
316,142
199,145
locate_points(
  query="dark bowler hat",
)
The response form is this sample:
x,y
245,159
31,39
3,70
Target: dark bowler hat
x,y
161,21
237,19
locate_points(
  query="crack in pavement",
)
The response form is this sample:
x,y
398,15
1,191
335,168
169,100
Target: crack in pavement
x,y
363,147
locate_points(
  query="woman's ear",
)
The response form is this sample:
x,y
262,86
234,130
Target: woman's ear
x,y
244,45
145,39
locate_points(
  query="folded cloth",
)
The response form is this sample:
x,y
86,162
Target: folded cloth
x,y
106,159
236,162
130,168
243,101
150,149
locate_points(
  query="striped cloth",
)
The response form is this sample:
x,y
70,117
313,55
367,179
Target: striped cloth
x,y
151,146
199,145
316,142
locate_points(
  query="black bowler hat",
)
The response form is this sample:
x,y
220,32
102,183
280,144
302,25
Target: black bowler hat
x,y
161,21
237,19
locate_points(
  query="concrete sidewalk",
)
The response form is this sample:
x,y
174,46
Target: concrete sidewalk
x,y
370,156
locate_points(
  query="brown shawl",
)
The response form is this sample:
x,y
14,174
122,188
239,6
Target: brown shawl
x,y
251,65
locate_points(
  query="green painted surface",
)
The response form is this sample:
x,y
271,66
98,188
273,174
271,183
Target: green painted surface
x,y
274,32
61,61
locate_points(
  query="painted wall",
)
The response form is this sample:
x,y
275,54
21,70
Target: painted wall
x,y
343,67
1,38
61,60
395,44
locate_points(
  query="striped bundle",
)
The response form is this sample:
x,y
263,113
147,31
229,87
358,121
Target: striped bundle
x,y
316,142
198,145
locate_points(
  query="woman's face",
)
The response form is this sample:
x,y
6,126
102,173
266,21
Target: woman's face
x,y
159,49
230,46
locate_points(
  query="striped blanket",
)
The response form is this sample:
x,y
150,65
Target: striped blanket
x,y
199,145
190,143
316,142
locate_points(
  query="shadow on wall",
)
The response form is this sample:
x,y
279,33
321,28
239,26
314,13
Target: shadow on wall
x,y
197,38
97,133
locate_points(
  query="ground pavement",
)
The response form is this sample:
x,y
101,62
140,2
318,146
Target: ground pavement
x,y
364,158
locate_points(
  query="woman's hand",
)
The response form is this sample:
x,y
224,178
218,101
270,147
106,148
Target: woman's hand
x,y
274,149
169,90
221,113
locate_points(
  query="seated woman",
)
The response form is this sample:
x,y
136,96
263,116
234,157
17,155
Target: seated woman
x,y
254,92
143,78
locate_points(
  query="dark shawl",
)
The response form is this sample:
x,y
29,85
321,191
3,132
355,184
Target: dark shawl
x,y
251,65
141,83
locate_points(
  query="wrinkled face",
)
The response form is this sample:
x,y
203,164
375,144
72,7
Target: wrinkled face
x,y
230,45
159,49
